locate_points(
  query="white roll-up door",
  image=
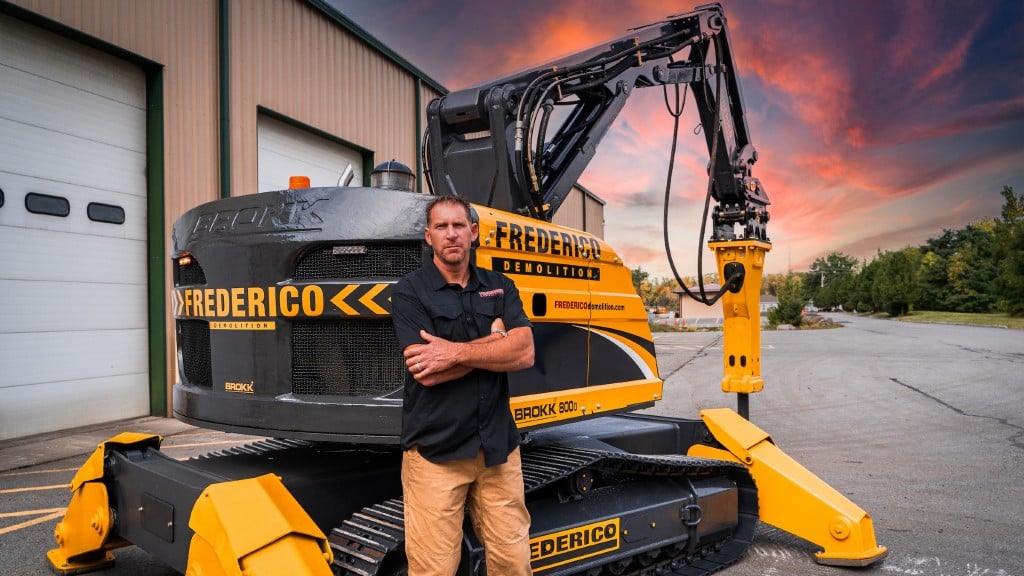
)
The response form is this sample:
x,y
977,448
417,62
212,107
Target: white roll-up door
x,y
286,151
73,282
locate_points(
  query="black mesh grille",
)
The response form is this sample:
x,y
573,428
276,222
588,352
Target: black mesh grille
x,y
191,273
348,357
194,342
380,261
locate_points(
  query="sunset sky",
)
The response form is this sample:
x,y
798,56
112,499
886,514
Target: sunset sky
x,y
878,123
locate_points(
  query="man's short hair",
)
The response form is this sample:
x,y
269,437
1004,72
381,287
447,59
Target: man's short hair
x,y
458,200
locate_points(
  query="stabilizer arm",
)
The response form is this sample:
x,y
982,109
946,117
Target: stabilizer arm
x,y
791,497
128,492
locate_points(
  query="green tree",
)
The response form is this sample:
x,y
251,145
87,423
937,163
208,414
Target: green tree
x,y
971,270
641,283
978,268
663,293
957,269
770,283
862,294
828,279
1008,254
934,279
895,287
791,302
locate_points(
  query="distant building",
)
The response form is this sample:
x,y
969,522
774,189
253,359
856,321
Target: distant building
x,y
582,210
697,314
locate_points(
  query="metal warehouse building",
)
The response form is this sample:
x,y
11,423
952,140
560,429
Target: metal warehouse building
x,y
115,118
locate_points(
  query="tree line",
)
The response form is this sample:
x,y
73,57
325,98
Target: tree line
x,y
660,292
977,268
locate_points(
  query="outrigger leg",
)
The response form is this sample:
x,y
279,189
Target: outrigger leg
x,y
792,498
252,526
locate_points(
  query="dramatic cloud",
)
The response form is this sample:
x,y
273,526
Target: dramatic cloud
x,y
878,123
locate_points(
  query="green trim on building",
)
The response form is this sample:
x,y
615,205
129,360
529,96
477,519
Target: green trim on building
x,y
224,80
155,248
368,166
419,134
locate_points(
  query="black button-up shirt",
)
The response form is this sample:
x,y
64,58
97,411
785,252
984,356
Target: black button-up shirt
x,y
454,419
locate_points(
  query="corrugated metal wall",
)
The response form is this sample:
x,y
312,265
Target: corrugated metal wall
x,y
570,213
285,55
583,211
428,95
594,212
294,60
183,37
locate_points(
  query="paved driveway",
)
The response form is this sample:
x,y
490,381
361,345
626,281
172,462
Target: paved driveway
x,y
921,425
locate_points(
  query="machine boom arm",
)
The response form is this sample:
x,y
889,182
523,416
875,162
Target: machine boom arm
x,y
490,144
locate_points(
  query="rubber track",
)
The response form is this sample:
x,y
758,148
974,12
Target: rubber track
x,y
361,543
257,448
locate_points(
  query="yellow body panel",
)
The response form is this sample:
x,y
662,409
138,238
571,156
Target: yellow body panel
x,y
254,527
537,409
791,497
571,278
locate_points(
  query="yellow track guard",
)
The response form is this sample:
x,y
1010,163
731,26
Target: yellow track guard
x,y
83,536
791,497
254,527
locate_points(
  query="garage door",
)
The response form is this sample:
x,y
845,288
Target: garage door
x,y
286,150
73,323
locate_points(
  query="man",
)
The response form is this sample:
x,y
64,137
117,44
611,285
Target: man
x,y
461,328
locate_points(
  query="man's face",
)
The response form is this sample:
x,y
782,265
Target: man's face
x,y
450,233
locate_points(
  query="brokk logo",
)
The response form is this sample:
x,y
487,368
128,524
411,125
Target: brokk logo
x,y
535,412
574,544
541,412
259,219
243,387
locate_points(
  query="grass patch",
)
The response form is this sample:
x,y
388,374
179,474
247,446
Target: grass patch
x,y
1001,320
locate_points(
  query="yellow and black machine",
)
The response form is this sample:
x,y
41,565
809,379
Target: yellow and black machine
x,y
283,331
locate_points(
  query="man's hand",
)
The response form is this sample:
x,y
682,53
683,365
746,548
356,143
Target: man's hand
x,y
437,355
441,360
497,326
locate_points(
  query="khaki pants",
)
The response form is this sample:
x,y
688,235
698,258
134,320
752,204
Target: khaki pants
x,y
435,497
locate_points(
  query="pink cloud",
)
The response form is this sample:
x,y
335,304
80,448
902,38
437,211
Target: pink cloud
x,y
858,109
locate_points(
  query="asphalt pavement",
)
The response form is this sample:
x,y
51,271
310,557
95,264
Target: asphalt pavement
x,y
919,424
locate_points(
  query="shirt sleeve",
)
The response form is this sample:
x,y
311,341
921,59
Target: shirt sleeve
x,y
409,315
513,315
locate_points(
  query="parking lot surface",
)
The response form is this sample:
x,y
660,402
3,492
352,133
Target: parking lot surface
x,y
919,424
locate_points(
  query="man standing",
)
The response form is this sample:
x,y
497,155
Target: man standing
x,y
461,328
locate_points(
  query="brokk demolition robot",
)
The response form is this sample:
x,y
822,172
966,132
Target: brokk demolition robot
x,y
283,331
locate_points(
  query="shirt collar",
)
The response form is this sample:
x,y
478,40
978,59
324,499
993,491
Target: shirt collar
x,y
436,281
